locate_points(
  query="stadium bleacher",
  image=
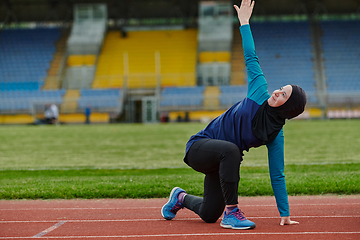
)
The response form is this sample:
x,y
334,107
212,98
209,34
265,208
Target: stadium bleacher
x,y
99,98
182,96
284,50
25,56
340,42
22,100
232,94
177,50
285,54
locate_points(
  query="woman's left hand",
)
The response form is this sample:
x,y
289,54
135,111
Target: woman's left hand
x,y
287,221
244,11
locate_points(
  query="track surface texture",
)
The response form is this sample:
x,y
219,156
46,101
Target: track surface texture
x,y
320,217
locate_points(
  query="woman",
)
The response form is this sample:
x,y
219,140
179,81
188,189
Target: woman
x,y
217,150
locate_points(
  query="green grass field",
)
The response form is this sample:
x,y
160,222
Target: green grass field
x,y
144,161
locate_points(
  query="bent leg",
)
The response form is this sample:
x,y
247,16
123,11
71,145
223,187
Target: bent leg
x,y
220,162
212,205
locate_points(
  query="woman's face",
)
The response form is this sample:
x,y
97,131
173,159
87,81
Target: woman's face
x,y
280,96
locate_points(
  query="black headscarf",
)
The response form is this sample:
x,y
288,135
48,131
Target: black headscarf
x,y
268,120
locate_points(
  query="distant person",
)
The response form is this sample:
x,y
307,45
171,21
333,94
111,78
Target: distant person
x,y
217,150
87,114
51,114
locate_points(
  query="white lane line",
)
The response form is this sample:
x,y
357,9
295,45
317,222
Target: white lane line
x,y
49,229
161,219
132,208
188,235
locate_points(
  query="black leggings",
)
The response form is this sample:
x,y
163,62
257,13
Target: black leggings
x,y
220,162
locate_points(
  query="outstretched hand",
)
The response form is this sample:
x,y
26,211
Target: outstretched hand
x,y
245,11
287,221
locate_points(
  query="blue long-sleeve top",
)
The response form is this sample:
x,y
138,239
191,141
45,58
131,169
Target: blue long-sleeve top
x,y
234,125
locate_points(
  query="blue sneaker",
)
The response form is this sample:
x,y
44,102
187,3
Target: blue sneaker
x,y
169,210
236,220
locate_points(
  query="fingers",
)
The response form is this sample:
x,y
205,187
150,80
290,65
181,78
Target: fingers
x,y
252,4
287,221
244,11
247,2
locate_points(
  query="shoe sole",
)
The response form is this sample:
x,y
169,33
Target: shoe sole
x,y
162,209
237,228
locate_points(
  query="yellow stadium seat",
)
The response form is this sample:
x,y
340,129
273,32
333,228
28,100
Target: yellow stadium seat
x,y
207,57
99,118
70,101
80,118
315,112
195,115
72,118
177,50
211,98
81,60
16,119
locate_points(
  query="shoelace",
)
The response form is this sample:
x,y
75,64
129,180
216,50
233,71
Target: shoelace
x,y
239,215
176,208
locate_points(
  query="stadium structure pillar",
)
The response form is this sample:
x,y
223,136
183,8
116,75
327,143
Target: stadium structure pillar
x,y
214,38
320,77
84,44
10,15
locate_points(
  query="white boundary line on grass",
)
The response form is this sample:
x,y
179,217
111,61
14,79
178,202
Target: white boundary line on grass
x,y
132,208
187,235
159,219
297,163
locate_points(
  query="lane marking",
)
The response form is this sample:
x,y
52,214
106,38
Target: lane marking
x,y
187,235
132,208
49,229
161,219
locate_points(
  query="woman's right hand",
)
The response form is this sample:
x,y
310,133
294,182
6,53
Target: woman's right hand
x,y
287,221
245,11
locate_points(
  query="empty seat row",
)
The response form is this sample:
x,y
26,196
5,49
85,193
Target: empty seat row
x,y
33,94
289,62
100,98
182,96
24,99
341,53
100,92
15,86
24,51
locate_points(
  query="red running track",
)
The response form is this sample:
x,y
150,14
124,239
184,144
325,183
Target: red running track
x,y
320,217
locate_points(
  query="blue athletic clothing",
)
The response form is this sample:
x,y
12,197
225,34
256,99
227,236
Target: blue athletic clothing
x,y
234,125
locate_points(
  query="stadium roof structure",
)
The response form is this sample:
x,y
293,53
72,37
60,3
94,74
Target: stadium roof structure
x,y
62,10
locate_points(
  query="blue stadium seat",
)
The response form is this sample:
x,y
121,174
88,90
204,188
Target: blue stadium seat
x,y
182,96
230,95
284,51
25,56
23,99
99,98
341,51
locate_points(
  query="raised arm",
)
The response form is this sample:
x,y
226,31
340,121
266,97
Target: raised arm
x,y
257,85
